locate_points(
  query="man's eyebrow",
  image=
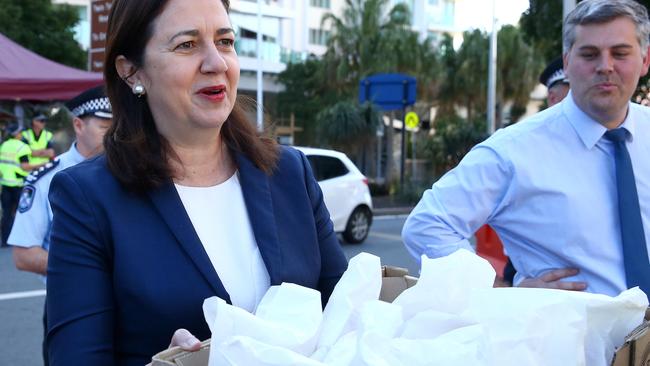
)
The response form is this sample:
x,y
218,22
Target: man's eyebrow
x,y
617,46
622,45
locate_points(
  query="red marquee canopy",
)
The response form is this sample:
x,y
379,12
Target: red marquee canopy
x,y
25,75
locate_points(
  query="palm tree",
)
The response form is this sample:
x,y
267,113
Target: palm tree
x,y
518,67
472,72
360,40
362,43
350,127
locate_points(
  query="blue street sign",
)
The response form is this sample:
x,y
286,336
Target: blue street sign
x,y
388,91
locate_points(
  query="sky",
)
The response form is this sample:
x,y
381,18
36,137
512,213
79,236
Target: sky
x,y
478,13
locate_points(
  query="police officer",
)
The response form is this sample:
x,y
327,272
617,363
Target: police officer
x,y
30,234
39,140
556,81
14,167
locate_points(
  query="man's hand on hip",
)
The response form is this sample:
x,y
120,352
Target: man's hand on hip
x,y
552,279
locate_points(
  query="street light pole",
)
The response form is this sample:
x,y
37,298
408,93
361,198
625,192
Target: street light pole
x,y
567,6
492,74
260,82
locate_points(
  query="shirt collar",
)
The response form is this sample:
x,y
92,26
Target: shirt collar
x,y
589,130
75,156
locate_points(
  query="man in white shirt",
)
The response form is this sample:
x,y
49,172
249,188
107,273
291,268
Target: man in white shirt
x,y
551,185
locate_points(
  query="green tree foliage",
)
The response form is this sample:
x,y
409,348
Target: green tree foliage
x,y
454,137
305,95
464,81
541,25
518,69
449,90
472,71
362,42
43,28
367,38
349,127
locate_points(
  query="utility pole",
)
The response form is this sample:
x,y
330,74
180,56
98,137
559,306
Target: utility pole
x,y
492,74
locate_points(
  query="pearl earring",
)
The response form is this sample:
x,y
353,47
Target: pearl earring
x,y
138,90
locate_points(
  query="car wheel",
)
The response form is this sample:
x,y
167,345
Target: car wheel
x,y
358,225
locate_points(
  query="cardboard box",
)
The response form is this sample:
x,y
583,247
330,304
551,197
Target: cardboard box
x,y
634,352
636,349
176,356
394,280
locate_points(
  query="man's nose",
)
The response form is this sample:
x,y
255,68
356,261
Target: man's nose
x,y
605,64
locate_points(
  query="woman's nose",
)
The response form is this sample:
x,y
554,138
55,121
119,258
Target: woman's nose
x,y
213,61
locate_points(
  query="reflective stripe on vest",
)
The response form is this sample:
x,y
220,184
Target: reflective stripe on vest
x,y
37,144
12,175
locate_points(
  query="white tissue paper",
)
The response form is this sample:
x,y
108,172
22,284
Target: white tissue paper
x,y
359,284
445,283
452,316
289,316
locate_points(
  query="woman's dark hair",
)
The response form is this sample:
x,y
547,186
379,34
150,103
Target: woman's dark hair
x,y
136,153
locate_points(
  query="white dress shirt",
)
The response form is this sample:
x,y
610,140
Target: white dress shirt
x,y
547,186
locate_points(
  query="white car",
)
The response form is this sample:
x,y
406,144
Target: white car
x,y
345,192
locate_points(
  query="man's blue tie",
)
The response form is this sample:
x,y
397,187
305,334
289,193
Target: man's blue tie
x,y
635,251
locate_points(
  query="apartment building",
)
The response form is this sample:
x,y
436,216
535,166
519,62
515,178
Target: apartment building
x,y
291,29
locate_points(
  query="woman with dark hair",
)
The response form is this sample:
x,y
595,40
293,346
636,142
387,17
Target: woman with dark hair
x,y
187,203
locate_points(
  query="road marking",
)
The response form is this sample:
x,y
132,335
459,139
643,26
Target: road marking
x,y
386,236
21,295
390,217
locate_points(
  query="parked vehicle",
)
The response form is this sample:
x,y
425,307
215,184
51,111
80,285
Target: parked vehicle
x,y
345,191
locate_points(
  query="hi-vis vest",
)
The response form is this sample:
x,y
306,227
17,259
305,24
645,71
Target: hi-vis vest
x,y
37,144
11,174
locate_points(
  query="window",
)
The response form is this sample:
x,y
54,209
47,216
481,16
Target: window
x,y
318,36
320,3
326,167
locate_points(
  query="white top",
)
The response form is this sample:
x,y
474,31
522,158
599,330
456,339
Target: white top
x,y
221,222
547,186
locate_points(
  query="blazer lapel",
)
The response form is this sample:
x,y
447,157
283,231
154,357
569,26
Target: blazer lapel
x,y
259,205
171,209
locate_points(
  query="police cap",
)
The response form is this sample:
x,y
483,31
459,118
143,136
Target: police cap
x,y
553,73
92,102
40,118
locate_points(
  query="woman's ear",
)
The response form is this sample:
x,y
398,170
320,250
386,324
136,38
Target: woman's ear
x,y
126,69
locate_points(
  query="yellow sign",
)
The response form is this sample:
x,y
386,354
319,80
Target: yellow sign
x,y
411,120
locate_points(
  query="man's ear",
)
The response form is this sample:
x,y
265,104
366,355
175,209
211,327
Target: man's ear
x,y
126,69
77,124
646,62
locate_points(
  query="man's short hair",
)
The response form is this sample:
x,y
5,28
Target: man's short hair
x,y
603,11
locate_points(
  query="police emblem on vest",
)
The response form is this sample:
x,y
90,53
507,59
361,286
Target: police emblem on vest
x,y
26,198
29,190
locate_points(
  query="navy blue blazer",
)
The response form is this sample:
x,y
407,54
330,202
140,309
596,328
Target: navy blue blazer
x,y
126,270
